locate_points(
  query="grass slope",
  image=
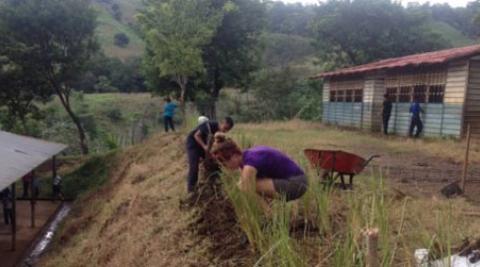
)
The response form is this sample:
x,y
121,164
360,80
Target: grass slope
x,y
134,219
454,36
107,28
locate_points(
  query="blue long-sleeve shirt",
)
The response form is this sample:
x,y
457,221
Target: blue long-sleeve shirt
x,y
415,109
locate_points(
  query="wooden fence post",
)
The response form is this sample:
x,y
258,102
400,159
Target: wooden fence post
x,y
371,247
465,163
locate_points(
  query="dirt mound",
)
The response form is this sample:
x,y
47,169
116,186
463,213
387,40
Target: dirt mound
x,y
215,221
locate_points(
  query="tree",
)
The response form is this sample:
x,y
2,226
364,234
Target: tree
x,y
59,38
117,12
360,31
234,52
175,32
19,87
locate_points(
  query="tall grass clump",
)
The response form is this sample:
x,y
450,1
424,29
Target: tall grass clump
x,y
367,207
269,236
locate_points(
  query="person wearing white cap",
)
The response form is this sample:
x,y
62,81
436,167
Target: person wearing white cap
x,y
202,119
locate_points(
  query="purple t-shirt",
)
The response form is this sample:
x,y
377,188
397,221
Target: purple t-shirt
x,y
271,163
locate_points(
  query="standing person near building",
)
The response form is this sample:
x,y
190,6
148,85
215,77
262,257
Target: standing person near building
x,y
416,121
36,186
57,188
7,205
386,112
168,113
26,180
199,142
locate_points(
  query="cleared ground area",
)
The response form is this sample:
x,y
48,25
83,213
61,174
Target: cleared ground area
x,y
25,233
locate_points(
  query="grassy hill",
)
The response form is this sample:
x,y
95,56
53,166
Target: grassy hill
x,y
108,26
454,36
113,119
134,219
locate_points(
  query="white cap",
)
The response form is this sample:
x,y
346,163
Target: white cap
x,y
202,119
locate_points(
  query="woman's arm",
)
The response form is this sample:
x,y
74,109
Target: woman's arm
x,y
248,179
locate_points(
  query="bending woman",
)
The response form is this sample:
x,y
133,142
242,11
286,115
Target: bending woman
x,y
264,170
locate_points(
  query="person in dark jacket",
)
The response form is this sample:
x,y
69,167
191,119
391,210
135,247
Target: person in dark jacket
x,y
199,142
416,121
27,180
6,197
386,112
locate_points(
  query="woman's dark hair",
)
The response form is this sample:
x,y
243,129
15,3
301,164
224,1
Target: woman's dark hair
x,y
224,148
168,99
229,121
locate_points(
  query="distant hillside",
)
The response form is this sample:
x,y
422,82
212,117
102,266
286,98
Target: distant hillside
x,y
449,33
108,26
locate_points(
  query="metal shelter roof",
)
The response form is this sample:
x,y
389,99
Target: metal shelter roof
x,y
20,154
430,58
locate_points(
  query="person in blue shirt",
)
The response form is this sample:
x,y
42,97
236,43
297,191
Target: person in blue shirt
x,y
168,113
416,121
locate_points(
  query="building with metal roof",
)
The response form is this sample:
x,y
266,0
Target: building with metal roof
x,y
446,83
19,156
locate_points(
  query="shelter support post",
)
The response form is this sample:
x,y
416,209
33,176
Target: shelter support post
x,y
14,217
33,197
54,168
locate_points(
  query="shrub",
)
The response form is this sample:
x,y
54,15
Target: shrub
x,y
115,114
121,39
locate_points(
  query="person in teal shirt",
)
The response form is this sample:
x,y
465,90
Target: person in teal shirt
x,y
168,113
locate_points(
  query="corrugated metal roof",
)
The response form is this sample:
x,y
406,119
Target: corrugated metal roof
x,y
20,154
430,58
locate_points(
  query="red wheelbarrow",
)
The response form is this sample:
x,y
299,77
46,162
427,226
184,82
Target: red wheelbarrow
x,y
337,164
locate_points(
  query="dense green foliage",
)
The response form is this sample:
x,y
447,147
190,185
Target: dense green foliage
x,y
58,42
107,74
216,52
357,32
175,33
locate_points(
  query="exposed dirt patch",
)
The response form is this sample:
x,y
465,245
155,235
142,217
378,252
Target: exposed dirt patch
x,y
215,220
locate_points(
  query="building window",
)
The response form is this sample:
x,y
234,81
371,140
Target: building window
x,y
405,95
392,94
340,96
358,96
420,93
436,93
333,96
349,96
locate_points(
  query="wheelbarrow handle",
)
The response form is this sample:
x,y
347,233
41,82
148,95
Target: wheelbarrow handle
x,y
370,159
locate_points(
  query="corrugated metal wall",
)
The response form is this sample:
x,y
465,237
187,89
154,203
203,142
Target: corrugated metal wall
x,y
342,113
472,101
440,119
454,98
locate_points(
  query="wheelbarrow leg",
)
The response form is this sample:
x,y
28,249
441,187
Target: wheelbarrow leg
x,y
329,179
344,186
351,181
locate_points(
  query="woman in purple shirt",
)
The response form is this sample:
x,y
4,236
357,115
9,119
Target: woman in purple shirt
x,y
265,170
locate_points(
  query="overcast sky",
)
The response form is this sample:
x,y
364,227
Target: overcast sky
x,y
454,3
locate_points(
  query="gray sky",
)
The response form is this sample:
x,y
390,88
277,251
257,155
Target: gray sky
x,y
454,3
